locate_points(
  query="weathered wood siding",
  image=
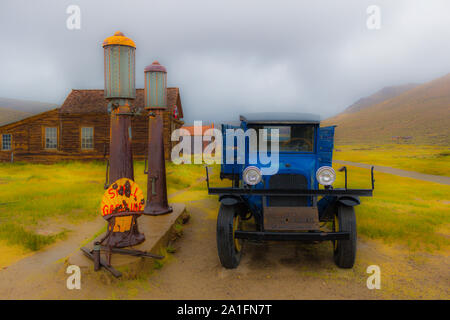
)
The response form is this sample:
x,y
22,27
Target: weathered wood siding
x,y
71,133
28,137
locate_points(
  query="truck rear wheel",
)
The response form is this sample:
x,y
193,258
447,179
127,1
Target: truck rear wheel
x,y
228,247
345,250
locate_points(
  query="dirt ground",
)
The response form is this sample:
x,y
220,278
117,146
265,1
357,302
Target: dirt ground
x,y
267,271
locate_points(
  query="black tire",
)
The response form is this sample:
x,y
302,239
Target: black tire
x,y
229,255
345,250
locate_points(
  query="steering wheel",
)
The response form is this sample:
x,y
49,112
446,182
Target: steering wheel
x,y
297,143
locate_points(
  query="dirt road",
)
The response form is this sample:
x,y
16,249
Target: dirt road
x,y
399,172
290,270
267,271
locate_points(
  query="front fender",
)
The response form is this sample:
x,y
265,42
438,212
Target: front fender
x,y
230,200
349,201
239,204
327,205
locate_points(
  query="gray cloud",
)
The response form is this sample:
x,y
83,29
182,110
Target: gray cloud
x,y
229,56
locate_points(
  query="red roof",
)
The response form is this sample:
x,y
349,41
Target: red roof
x,y
191,129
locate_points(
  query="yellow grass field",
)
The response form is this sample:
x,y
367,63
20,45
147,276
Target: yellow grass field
x,y
40,204
424,159
402,210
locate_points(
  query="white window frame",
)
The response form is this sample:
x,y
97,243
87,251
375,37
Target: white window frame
x,y
47,136
84,140
10,142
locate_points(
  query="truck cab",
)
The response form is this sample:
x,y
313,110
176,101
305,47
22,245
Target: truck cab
x,y
276,163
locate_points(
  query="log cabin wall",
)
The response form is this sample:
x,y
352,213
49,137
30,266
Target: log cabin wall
x,y
28,135
71,134
27,138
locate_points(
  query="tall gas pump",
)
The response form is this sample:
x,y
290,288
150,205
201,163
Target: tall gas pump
x,y
156,103
120,91
121,203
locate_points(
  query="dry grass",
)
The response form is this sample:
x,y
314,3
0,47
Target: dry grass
x,y
403,210
425,159
36,197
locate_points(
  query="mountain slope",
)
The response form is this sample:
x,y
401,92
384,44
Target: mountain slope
x,y
379,96
26,105
14,110
9,115
422,113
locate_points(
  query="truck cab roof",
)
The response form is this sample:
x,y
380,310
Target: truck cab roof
x,y
280,117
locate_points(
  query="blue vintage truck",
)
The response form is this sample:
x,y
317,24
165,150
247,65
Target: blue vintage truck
x,y
286,205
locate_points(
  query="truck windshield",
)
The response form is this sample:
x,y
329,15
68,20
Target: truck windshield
x,y
293,138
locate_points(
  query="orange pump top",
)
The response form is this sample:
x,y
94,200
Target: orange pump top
x,y
119,39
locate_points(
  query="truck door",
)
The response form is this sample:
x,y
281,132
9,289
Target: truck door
x,y
325,146
228,169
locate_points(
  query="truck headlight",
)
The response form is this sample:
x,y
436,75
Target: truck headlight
x,y
251,175
326,175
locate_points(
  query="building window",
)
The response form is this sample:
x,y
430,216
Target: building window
x,y
6,142
87,138
51,138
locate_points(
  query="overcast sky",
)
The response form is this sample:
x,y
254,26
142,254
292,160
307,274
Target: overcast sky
x,y
228,56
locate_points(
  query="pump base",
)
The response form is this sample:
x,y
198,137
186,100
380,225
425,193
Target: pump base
x,y
152,209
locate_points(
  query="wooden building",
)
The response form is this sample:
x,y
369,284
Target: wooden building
x,y
80,129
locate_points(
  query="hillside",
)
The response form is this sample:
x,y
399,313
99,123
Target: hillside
x,y
9,115
379,96
13,109
422,113
26,105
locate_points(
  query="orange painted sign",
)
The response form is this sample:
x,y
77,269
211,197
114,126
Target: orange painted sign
x,y
122,224
124,195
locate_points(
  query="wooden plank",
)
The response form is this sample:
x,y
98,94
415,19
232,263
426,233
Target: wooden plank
x,y
103,263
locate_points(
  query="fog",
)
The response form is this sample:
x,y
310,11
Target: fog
x,y
229,57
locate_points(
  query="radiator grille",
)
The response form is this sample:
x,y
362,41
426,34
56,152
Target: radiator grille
x,y
287,181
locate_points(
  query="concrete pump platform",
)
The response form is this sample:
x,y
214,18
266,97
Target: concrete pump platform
x,y
158,231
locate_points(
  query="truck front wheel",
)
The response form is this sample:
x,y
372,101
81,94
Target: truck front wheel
x,y
228,247
345,250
